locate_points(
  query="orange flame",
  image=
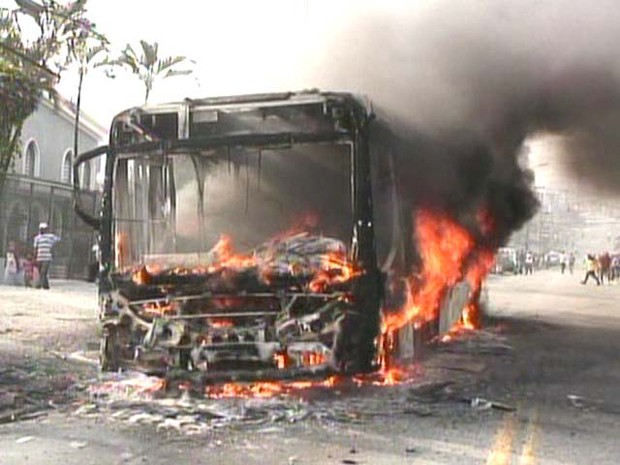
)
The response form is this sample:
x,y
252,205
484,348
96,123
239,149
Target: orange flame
x,y
141,277
282,360
266,389
221,323
335,269
313,358
444,245
449,254
227,258
390,377
158,309
470,317
479,268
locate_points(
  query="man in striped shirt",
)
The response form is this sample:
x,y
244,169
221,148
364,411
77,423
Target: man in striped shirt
x,y
43,244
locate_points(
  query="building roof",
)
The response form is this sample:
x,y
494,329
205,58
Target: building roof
x,y
66,109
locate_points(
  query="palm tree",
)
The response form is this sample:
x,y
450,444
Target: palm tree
x,y
67,34
31,66
148,66
85,57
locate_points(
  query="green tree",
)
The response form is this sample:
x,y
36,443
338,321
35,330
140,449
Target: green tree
x,y
59,26
148,66
81,43
30,67
23,79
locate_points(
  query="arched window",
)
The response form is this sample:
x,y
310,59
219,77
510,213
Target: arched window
x,y
31,159
67,169
86,175
17,224
57,221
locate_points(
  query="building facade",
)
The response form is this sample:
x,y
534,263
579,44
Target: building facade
x,y
39,188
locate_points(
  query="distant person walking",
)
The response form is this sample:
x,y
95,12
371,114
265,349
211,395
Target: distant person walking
x,y
43,244
605,267
529,263
571,262
563,261
591,269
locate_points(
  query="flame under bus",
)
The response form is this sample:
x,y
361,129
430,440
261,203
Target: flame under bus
x,y
237,238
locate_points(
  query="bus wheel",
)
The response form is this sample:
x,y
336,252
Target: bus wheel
x,y
346,346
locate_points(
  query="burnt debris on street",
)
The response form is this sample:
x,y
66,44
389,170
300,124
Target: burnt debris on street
x,y
530,374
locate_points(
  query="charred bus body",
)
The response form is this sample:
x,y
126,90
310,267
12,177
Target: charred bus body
x,y
247,236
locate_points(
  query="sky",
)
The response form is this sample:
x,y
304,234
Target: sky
x,y
238,46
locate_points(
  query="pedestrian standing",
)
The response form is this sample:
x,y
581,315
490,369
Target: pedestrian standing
x,y
30,270
12,265
529,263
591,269
43,244
615,267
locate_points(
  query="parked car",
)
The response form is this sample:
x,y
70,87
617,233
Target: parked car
x,y
553,258
505,260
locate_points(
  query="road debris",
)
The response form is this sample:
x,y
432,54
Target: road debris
x,y
431,392
480,403
89,357
576,401
78,444
29,412
584,403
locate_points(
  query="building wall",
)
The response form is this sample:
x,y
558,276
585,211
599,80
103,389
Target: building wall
x,y
52,131
46,196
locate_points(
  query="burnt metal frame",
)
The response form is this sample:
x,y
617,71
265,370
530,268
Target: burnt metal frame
x,y
368,290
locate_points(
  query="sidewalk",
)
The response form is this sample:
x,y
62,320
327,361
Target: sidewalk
x,y
64,316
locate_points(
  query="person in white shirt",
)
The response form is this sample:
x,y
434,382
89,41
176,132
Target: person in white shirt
x,y
529,263
43,244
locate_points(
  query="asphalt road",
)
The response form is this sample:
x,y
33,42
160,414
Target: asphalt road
x,y
550,350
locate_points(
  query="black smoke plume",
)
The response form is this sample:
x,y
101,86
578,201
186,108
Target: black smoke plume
x,y
466,83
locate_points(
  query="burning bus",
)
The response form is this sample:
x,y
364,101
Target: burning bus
x,y
259,236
